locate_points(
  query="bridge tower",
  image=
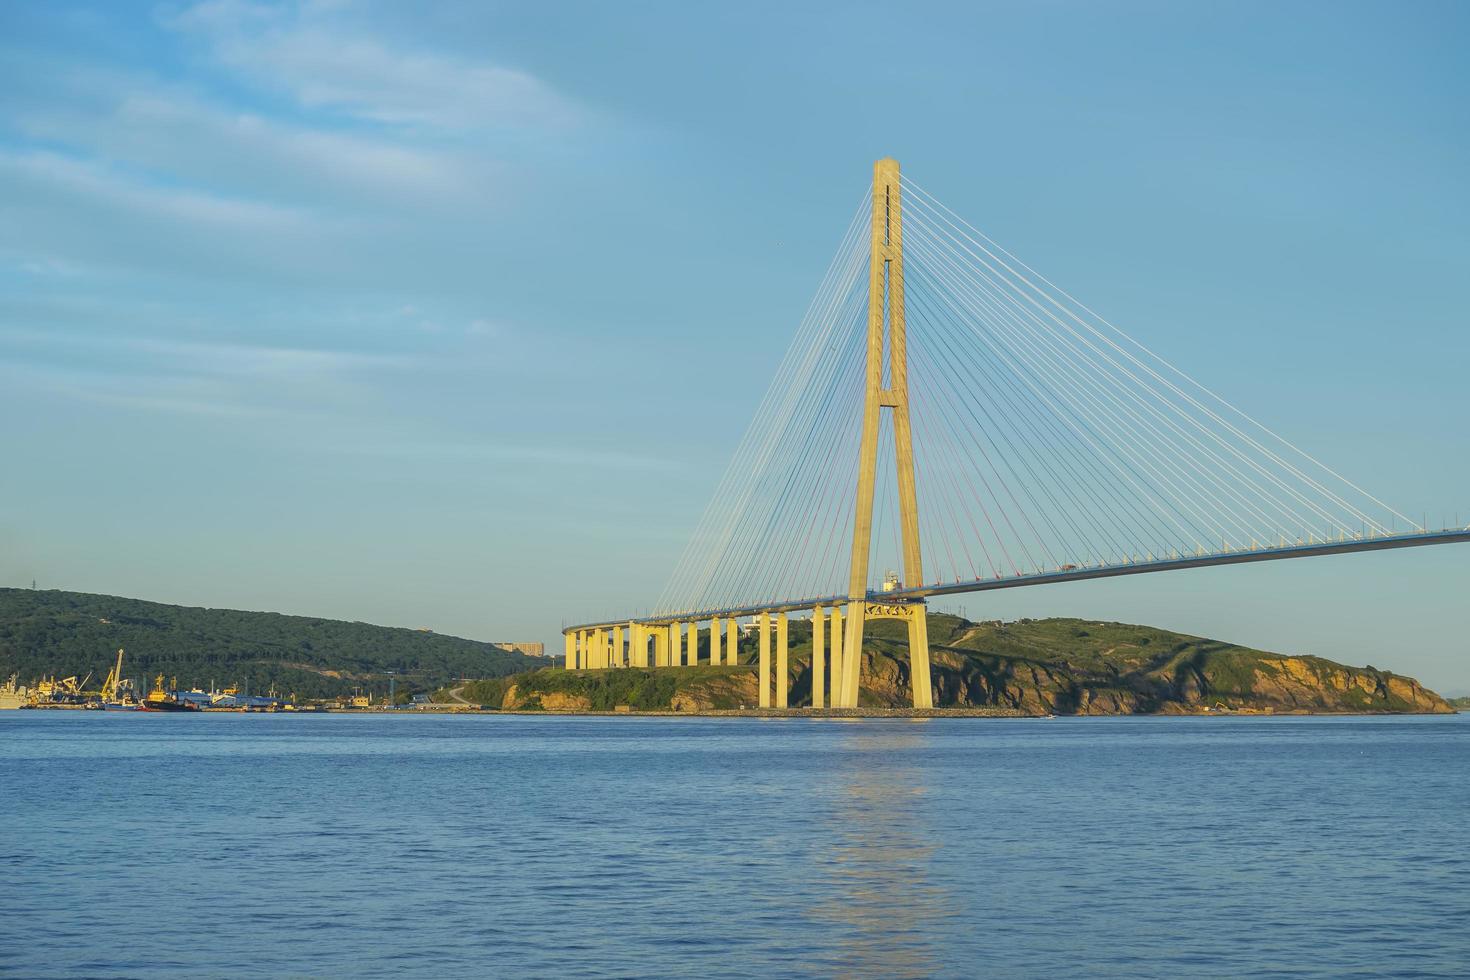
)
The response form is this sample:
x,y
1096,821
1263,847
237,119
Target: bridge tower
x,y
887,348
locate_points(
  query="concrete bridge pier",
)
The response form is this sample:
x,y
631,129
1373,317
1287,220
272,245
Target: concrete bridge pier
x,y
834,670
714,642
919,659
732,642
783,661
764,661
819,656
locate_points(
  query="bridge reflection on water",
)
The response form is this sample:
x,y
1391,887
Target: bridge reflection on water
x,y
877,888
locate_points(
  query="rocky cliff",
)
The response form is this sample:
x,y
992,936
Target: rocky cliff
x,y
1067,666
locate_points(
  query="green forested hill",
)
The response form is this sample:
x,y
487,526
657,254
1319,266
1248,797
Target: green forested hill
x,y
65,633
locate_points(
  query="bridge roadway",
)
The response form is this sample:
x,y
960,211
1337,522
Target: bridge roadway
x,y
1411,539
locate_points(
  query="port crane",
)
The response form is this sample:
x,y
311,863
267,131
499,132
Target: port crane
x,y
116,686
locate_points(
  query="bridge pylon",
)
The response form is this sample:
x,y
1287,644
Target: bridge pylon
x,y
887,347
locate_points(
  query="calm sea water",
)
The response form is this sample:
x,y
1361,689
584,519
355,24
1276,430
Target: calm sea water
x,y
138,845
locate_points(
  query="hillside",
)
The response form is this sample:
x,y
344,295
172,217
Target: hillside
x,y
1061,666
65,633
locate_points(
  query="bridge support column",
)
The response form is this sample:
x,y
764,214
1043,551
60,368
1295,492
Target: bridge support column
x,y
691,657
764,671
660,646
819,656
615,641
714,642
569,651
783,662
852,655
732,642
676,644
838,658
920,677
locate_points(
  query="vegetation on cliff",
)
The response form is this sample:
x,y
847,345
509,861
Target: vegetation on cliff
x,y
698,688
1061,666
73,633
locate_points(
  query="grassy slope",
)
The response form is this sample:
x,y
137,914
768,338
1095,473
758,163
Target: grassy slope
x,y
1062,665
62,633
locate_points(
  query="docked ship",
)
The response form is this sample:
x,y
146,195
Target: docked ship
x,y
159,699
13,696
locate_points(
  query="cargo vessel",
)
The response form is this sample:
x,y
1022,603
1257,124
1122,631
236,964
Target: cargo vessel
x,y
13,696
159,699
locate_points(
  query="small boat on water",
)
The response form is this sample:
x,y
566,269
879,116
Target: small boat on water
x,y
159,699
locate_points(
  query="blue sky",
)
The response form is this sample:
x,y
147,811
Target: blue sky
x,y
449,315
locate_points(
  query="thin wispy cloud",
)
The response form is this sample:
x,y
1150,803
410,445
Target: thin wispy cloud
x,y
160,129
219,176
305,52
227,379
503,452
168,393
97,183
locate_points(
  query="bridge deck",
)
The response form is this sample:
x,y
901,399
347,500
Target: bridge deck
x,y
1413,539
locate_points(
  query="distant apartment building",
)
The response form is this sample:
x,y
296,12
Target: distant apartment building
x,y
529,649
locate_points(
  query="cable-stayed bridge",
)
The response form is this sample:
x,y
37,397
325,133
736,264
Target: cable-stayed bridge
x,y
948,420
